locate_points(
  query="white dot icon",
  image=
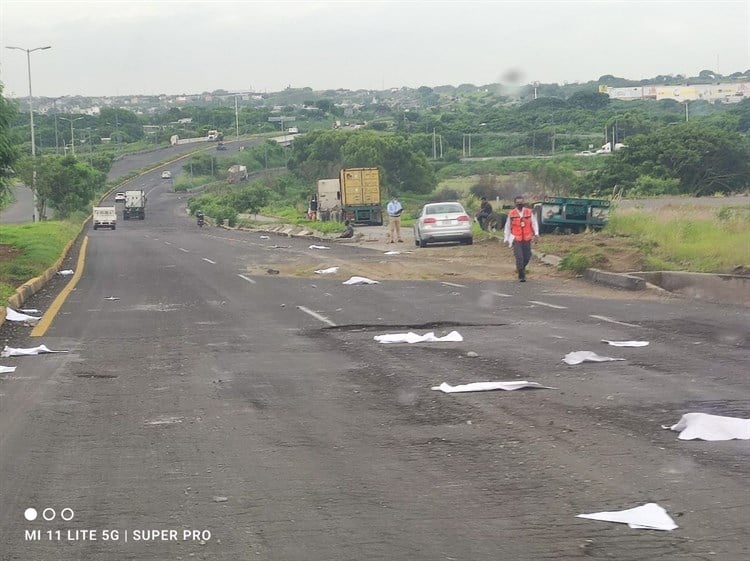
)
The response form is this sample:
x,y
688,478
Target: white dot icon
x,y
30,514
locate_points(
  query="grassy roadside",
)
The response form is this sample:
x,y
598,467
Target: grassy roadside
x,y
27,250
685,238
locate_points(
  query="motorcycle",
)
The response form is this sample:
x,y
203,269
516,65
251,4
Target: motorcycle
x,y
201,221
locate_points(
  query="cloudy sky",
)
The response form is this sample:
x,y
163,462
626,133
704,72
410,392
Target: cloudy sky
x,y
174,47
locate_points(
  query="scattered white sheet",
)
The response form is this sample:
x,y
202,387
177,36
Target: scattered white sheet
x,y
626,343
65,272
265,237
111,298
360,280
328,271
392,253
646,517
318,247
12,315
7,369
41,349
30,311
489,386
412,337
702,426
577,357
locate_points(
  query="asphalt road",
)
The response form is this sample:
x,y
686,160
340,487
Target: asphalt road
x,y
257,410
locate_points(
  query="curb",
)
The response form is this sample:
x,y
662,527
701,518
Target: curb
x,y
617,280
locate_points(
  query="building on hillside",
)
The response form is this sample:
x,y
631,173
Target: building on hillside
x,y
731,92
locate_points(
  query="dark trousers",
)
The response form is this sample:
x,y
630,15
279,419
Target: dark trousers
x,y
522,251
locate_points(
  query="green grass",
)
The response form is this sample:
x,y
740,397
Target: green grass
x,y
40,244
688,238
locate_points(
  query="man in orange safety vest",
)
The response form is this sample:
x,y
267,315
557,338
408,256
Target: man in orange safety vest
x,y
521,229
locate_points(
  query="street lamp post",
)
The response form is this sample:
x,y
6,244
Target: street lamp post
x,y
31,119
72,138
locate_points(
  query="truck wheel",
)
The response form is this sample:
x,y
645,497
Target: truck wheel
x,y
113,226
143,216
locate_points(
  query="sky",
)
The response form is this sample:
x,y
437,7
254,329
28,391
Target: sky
x,y
112,48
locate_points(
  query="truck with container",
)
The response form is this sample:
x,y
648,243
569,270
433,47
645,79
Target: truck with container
x,y
104,217
329,199
567,214
360,196
135,205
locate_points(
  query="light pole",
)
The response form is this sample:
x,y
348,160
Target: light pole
x,y
72,138
31,119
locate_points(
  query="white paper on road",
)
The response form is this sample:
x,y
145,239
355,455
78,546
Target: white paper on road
x,y
318,247
392,253
265,237
626,343
577,357
12,315
41,349
702,426
111,298
328,271
647,517
7,369
360,280
489,386
412,337
65,272
30,311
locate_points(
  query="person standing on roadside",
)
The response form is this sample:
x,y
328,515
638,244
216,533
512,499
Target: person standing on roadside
x,y
394,210
521,229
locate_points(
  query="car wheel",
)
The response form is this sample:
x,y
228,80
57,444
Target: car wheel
x,y
95,226
422,243
468,241
113,226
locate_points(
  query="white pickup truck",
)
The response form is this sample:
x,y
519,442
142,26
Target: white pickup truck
x,y
105,217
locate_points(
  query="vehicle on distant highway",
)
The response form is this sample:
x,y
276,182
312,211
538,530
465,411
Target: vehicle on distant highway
x,y
443,222
166,174
221,146
119,197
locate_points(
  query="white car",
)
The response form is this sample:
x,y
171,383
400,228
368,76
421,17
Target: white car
x,y
443,222
119,197
166,174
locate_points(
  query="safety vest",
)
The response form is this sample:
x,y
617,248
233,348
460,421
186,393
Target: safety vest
x,y
520,224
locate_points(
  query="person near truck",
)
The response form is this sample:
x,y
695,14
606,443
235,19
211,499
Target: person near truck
x,y
312,208
485,209
349,232
521,229
394,210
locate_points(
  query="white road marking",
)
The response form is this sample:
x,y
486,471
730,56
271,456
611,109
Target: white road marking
x,y
501,294
183,249
248,279
316,315
610,320
555,306
207,260
454,284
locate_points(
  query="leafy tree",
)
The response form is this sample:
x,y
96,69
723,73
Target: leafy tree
x,y
704,159
8,150
62,182
252,198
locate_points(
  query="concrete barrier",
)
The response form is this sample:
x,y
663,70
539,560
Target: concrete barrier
x,y
617,280
719,288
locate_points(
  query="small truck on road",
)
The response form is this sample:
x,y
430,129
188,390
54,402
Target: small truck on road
x,y
104,217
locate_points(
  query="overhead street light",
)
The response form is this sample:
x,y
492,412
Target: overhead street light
x,y
31,118
72,138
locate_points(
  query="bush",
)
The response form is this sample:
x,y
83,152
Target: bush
x,y
576,262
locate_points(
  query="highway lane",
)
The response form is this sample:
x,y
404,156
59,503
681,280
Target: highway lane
x,y
207,398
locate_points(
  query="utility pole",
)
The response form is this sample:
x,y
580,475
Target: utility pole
x,y
236,117
434,145
34,216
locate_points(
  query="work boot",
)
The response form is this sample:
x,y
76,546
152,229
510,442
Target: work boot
x,y
522,275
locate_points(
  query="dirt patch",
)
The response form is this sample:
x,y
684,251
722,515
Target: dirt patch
x,y
8,252
616,254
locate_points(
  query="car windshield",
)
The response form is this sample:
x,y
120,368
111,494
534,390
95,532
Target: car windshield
x,y
444,209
